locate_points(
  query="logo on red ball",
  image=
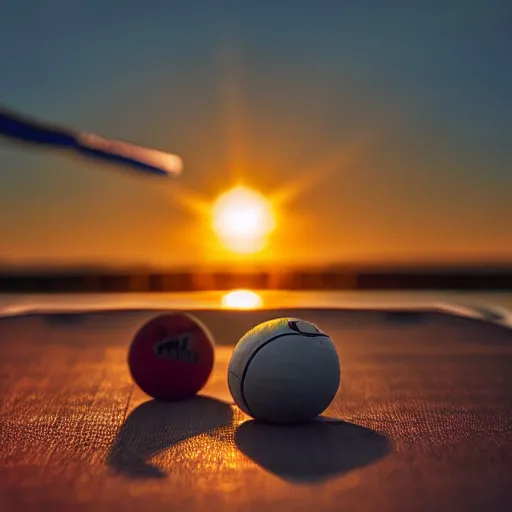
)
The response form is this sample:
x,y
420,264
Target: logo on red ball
x,y
178,348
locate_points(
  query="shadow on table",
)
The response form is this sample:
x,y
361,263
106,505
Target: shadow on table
x,y
154,427
312,452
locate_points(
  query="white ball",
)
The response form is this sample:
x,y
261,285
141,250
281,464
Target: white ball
x,y
284,371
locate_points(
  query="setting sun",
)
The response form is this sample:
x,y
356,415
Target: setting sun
x,y
242,219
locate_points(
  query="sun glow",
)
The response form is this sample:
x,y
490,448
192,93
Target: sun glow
x,y
243,219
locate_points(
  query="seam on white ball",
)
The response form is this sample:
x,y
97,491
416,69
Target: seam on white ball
x,y
229,381
253,355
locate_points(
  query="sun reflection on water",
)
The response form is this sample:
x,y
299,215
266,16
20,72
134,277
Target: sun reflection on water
x,y
241,299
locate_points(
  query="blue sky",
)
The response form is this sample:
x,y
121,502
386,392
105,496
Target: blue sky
x,y
401,111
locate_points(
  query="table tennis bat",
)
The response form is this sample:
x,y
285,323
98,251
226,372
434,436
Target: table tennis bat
x,y
142,159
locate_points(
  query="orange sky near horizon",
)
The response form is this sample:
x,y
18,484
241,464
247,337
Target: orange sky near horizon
x,y
376,143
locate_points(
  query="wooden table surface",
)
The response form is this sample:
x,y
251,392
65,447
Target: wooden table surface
x,y
424,421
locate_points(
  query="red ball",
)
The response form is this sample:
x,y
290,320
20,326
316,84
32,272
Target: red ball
x,y
171,356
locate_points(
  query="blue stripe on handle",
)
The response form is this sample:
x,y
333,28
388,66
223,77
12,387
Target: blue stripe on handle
x,y
16,127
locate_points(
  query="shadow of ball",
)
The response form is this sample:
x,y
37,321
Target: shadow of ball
x,y
313,452
154,427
